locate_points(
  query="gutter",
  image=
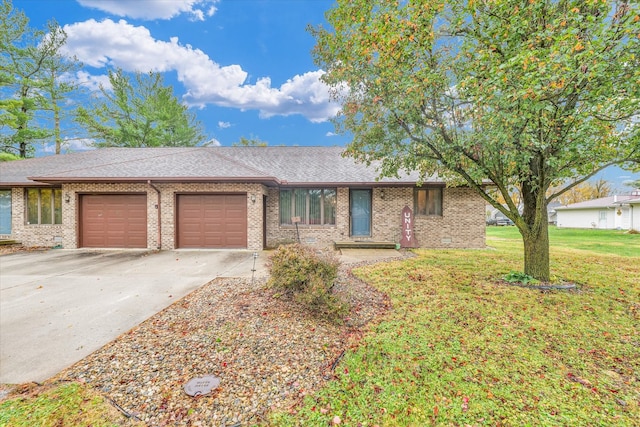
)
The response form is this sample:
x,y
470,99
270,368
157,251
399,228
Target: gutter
x,y
159,208
179,179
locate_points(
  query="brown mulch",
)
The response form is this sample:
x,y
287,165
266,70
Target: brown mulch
x,y
268,352
15,248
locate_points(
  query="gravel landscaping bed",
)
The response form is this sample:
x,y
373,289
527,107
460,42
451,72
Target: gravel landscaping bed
x,y
267,351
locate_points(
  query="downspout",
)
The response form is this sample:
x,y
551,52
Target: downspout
x,y
159,208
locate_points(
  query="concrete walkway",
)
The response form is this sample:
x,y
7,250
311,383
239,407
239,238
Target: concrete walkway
x,y
58,306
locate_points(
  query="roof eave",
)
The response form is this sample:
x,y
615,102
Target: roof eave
x,y
19,184
355,183
86,180
568,208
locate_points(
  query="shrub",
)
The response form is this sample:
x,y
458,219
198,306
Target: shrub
x,y
308,276
518,277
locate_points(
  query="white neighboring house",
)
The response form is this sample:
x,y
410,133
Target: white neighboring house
x,y
634,214
619,212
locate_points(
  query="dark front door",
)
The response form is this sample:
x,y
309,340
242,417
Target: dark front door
x,y
360,208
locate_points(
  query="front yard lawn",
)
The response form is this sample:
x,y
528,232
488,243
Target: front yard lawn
x,y
616,242
459,348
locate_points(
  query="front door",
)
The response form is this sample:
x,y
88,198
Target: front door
x,y
602,222
5,211
360,208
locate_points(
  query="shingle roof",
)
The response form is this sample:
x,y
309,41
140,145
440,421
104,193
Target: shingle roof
x,y
275,165
602,202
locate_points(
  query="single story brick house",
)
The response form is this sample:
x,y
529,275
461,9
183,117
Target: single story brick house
x,y
225,197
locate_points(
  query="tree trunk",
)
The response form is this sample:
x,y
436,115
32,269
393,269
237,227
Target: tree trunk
x,y
535,232
536,252
56,127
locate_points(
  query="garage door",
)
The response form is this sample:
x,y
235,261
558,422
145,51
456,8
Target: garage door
x,y
212,221
113,221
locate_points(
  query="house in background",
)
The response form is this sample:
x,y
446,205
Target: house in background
x,y
225,197
634,214
552,214
621,212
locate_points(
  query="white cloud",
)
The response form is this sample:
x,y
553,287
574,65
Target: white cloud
x,y
92,82
132,48
70,145
213,143
154,9
224,125
330,134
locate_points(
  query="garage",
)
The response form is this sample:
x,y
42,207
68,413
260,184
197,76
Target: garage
x,y
214,221
113,221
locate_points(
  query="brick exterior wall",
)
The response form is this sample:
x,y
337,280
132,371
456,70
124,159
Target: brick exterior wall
x,y
33,234
462,224
168,208
66,234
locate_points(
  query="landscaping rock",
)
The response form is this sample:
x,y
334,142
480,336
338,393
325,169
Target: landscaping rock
x,y
268,353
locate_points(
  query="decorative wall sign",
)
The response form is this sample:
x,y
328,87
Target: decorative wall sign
x,y
201,385
408,239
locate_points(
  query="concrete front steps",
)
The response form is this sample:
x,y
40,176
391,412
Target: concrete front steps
x,y
364,245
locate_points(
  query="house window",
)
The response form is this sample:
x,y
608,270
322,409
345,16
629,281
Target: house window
x,y
44,206
314,206
428,201
5,211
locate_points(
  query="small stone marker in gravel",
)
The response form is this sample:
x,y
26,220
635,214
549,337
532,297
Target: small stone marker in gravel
x,y
201,385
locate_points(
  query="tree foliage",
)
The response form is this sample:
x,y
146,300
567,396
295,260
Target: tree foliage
x,y
634,184
24,56
586,191
527,95
60,84
139,113
250,142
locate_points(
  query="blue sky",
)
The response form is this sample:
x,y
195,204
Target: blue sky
x,y
244,66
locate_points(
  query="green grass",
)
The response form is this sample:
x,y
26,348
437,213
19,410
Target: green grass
x,y
70,404
616,242
461,349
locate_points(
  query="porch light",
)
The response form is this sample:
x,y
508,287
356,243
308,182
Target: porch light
x,y
67,197
253,198
382,193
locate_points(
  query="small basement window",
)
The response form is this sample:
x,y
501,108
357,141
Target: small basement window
x,y
44,206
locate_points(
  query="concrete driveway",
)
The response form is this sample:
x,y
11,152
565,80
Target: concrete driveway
x,y
58,306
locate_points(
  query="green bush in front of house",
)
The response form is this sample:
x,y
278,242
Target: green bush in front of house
x,y
308,276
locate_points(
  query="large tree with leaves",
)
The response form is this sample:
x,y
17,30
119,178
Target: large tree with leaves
x,y
25,75
142,112
60,83
522,94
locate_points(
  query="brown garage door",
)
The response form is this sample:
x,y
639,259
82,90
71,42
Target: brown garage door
x,y
113,221
212,221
